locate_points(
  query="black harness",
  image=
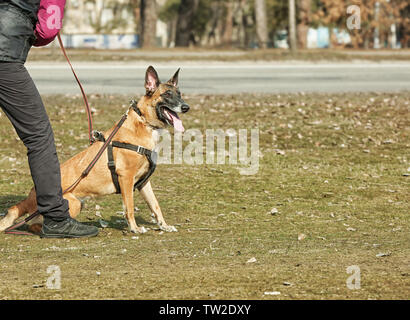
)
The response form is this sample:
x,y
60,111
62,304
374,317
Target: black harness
x,y
151,156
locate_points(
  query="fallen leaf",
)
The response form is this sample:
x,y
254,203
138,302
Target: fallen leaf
x,y
103,223
383,254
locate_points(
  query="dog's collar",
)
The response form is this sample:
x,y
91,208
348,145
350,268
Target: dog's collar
x,y
134,106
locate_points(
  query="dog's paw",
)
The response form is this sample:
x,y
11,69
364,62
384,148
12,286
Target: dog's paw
x,y
5,223
154,219
140,230
168,228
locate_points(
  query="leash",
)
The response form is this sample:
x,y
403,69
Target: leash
x,y
11,229
87,106
98,155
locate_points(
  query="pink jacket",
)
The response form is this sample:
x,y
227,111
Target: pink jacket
x,y
50,20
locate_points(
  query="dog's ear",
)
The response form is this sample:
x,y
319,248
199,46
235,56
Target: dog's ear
x,y
151,80
174,80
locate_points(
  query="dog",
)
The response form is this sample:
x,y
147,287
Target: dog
x,y
157,109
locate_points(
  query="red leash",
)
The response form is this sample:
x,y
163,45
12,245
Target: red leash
x,y
11,229
87,107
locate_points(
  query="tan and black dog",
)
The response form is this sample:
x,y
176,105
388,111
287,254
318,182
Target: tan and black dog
x,y
157,109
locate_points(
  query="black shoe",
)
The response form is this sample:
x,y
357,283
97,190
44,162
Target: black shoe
x,y
68,228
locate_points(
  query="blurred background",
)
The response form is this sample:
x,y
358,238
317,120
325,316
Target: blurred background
x,y
286,24
231,46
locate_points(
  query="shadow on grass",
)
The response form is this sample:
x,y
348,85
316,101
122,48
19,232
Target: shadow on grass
x,y
6,201
114,222
120,223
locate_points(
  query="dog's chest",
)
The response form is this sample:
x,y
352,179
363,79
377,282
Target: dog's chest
x,y
156,134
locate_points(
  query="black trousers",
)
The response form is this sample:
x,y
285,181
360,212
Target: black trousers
x,y
22,104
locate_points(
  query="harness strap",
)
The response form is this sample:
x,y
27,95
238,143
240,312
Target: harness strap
x,y
149,154
111,166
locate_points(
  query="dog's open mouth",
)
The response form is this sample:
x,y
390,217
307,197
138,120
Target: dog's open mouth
x,y
173,119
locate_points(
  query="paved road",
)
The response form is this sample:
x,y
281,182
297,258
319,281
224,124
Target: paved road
x,y
226,78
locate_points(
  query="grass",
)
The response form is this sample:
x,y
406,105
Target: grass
x,y
221,55
335,167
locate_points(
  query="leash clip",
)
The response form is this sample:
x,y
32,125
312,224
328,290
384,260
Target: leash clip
x,y
97,136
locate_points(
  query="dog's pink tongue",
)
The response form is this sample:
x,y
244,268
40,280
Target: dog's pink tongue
x,y
177,123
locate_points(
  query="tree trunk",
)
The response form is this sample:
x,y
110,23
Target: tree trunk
x,y
228,31
186,14
292,26
148,23
137,15
332,38
303,26
261,23
241,24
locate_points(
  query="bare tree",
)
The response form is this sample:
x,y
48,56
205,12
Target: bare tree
x,y
292,25
228,31
186,15
148,10
304,15
261,23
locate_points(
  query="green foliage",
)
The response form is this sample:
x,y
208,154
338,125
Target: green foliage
x,y
277,12
202,16
169,11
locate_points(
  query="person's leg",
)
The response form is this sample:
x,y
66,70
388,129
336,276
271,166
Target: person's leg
x,y
22,104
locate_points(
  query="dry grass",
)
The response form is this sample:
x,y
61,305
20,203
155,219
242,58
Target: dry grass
x,y
334,166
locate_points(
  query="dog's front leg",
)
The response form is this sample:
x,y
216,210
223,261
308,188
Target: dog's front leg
x,y
127,193
152,202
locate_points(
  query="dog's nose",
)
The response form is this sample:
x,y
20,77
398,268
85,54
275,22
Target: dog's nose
x,y
185,108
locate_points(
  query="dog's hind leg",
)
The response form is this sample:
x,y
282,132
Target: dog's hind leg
x,y
148,194
74,204
28,205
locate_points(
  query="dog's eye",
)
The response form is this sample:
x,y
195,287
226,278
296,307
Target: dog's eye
x,y
168,94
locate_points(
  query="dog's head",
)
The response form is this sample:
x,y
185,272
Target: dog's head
x,y
162,101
